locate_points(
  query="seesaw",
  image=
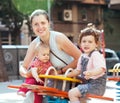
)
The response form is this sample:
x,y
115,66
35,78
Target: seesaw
x,y
115,71
57,77
60,77
41,90
114,78
53,91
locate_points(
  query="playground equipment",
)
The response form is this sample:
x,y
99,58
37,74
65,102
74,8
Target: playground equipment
x,y
53,91
115,71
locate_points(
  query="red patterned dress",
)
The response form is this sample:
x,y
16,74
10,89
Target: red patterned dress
x,y
42,68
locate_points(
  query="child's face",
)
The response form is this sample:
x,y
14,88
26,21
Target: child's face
x,y
88,43
44,54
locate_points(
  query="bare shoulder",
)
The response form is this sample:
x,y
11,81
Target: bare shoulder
x,y
66,45
31,51
33,44
62,39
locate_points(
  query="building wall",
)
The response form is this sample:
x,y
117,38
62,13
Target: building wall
x,y
81,15
102,2
112,34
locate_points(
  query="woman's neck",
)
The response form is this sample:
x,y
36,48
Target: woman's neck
x,y
45,39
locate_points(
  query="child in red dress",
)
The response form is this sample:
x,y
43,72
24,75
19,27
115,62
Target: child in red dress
x,y
39,65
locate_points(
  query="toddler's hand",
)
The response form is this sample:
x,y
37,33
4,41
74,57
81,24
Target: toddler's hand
x,y
39,80
87,74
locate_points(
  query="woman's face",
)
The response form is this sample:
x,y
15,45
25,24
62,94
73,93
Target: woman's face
x,y
40,25
88,43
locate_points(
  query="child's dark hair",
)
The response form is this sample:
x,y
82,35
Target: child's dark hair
x,y
90,30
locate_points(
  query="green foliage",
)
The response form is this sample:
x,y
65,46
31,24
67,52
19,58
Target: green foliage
x,y
28,6
9,14
11,18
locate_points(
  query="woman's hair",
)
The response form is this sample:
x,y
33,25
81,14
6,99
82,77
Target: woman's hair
x,y
37,13
41,46
90,30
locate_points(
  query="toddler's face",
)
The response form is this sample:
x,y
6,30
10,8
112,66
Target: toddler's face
x,y
44,55
88,43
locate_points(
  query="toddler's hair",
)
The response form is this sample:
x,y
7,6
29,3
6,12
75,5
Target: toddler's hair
x,y
90,30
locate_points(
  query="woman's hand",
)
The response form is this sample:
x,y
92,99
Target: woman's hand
x,y
24,72
60,71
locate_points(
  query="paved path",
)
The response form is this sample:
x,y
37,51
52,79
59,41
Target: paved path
x,y
8,95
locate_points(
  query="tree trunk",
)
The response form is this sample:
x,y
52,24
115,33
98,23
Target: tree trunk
x,y
3,72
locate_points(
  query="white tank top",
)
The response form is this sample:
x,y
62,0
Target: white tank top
x,y
61,54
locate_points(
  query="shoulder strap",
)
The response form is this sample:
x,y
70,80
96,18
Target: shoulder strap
x,y
91,53
56,55
58,58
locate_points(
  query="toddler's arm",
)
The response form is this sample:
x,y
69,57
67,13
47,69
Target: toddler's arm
x,y
35,75
89,73
74,73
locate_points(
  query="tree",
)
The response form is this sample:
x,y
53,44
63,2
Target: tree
x,y
3,73
28,6
12,19
12,13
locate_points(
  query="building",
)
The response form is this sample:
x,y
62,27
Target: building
x,y
70,16
114,4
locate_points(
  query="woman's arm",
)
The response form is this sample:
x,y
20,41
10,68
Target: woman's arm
x,y
24,72
27,60
67,46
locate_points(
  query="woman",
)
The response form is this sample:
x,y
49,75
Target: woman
x,y
64,54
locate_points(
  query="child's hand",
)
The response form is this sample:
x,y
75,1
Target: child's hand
x,y
87,74
39,80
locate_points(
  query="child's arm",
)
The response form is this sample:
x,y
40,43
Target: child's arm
x,y
90,73
74,73
35,74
